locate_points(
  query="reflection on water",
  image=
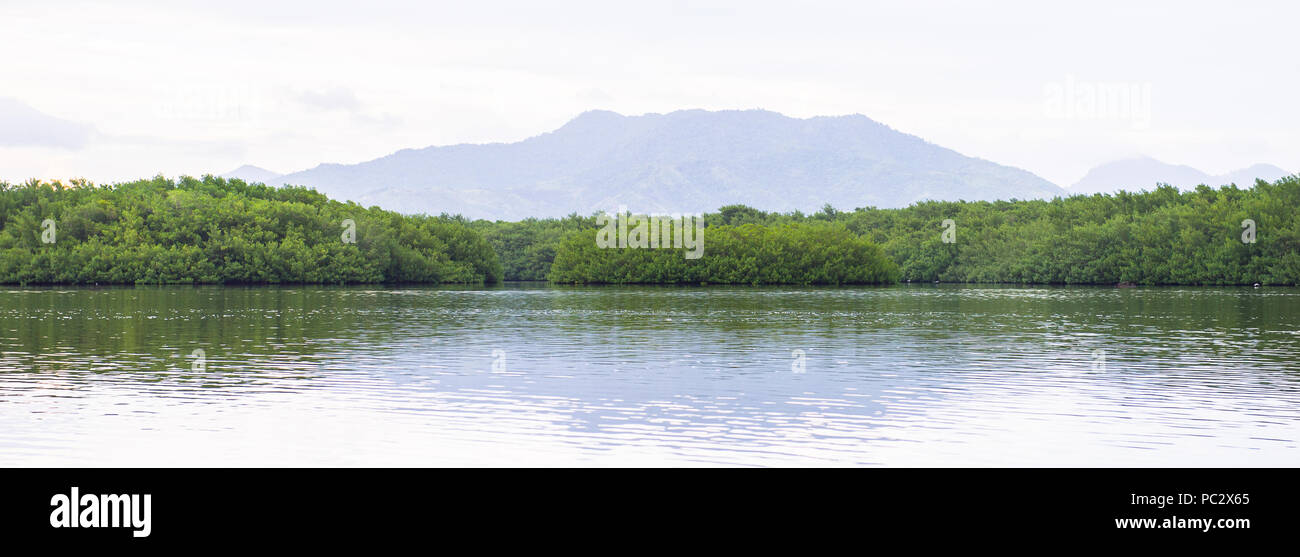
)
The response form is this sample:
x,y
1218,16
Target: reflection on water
x,y
538,375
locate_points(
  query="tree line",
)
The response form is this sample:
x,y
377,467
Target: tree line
x,y
1204,236
212,230
785,253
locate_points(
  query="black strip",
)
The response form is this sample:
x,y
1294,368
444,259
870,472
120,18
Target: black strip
x,y
193,508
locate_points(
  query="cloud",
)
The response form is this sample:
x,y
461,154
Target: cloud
x,y
337,98
383,121
24,126
594,96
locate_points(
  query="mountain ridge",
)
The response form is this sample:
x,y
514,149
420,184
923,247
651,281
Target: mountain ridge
x,y
1138,173
682,161
250,173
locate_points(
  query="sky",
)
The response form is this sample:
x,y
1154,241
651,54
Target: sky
x,y
131,89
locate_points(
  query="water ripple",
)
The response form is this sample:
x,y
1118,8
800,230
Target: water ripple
x,y
542,376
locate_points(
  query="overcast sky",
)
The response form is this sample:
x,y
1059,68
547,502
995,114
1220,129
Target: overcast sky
x,y
123,90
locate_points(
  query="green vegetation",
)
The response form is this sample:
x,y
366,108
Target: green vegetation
x,y
527,248
794,253
217,231
1159,237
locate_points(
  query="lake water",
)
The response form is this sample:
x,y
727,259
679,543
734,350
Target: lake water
x,y
535,375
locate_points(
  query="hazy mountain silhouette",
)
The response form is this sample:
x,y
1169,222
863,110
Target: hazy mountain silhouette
x,y
250,173
1143,173
1246,176
684,161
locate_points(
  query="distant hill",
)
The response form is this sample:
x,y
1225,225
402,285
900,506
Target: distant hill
x,y
250,173
684,161
1247,176
1144,173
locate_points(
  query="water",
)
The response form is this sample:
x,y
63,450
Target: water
x,y
537,376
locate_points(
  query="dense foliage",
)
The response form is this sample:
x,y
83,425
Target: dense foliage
x,y
795,253
218,231
527,248
1156,237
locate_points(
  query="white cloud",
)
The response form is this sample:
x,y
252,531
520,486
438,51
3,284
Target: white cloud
x,y
364,80
334,98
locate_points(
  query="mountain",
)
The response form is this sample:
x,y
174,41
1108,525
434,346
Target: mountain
x,y
1247,176
686,161
1145,172
250,173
